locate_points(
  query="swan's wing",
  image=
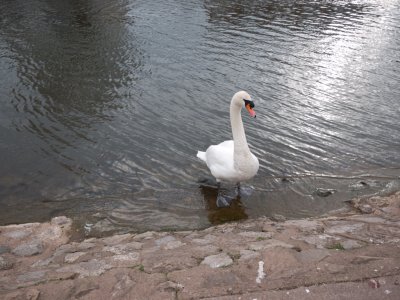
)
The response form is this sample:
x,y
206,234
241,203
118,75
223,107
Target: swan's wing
x,y
219,159
202,155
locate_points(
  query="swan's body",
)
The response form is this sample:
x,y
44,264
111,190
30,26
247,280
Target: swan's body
x,y
232,160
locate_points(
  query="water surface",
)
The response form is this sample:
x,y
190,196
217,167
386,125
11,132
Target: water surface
x,y
104,105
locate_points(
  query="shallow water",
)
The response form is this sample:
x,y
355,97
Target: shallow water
x,y
105,104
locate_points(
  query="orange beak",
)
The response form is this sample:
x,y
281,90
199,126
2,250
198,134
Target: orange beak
x,y
250,110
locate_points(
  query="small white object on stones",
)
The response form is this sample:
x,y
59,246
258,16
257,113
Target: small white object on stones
x,y
261,273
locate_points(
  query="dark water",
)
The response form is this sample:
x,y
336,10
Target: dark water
x,y
104,105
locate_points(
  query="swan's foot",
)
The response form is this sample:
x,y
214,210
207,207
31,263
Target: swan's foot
x,y
224,201
244,190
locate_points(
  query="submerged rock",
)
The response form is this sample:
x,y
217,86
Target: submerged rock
x,y
324,192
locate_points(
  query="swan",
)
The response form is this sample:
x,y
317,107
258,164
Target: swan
x,y
232,160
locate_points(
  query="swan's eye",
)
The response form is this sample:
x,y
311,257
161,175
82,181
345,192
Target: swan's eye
x,y
249,102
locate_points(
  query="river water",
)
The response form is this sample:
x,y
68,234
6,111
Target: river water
x,y
104,105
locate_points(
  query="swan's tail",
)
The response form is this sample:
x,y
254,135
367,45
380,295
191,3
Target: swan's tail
x,y
201,155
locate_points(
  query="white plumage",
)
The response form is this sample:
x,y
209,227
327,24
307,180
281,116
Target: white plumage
x,y
232,160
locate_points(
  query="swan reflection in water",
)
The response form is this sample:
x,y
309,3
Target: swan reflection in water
x,y
218,215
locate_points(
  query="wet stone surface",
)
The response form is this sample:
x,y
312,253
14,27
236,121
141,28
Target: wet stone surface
x,y
227,261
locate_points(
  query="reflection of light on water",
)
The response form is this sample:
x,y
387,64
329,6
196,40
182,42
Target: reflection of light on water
x,y
150,85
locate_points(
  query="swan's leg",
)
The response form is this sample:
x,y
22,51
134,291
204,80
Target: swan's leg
x,y
243,191
223,200
238,189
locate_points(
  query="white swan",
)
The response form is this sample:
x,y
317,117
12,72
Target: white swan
x,y
232,161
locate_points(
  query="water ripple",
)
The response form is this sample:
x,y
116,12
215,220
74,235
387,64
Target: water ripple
x,y
104,105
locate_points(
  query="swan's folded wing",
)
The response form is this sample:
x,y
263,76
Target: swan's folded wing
x,y
219,160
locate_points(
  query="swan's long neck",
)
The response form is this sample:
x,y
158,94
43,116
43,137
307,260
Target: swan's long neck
x,y
239,137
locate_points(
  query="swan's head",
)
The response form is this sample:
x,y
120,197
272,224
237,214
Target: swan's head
x,y
243,98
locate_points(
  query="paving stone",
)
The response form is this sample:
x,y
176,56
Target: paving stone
x,y
5,264
306,225
85,246
320,240
123,248
123,284
170,286
51,233
116,239
173,245
165,240
312,255
62,220
18,234
34,276
256,234
278,218
218,260
351,244
345,228
43,262
125,260
201,241
248,254
93,267
145,236
73,257
4,249
33,294
203,251
261,245
28,249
